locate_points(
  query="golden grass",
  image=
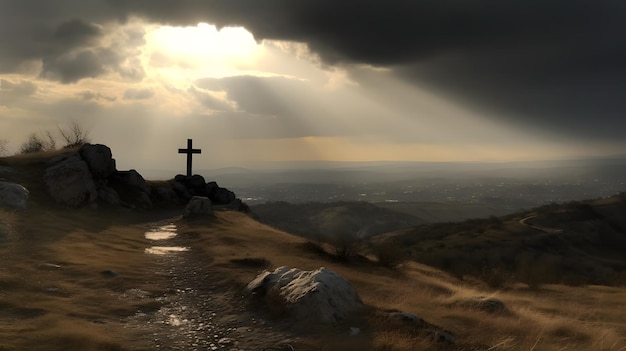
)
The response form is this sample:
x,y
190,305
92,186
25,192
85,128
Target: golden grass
x,y
72,306
553,318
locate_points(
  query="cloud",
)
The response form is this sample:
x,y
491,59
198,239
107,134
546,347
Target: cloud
x,y
138,94
546,65
22,87
92,95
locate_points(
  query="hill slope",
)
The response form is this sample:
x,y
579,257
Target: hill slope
x,y
85,279
318,220
575,243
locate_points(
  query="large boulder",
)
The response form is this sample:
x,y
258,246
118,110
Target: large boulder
x,y
131,178
13,195
198,206
219,195
195,184
182,191
108,196
99,160
164,193
313,296
5,171
69,181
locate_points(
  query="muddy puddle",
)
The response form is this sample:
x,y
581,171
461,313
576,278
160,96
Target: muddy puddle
x,y
163,233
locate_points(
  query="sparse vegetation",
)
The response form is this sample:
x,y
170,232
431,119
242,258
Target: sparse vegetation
x,y
389,254
54,298
575,243
74,134
38,142
71,136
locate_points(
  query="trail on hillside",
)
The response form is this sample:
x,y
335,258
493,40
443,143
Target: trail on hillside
x,y
198,313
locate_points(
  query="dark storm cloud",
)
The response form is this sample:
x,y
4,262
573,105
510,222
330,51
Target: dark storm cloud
x,y
552,64
65,37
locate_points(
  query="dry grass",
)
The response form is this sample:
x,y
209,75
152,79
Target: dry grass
x,y
552,318
53,295
73,306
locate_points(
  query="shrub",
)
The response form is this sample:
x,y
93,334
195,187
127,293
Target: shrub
x,y
389,254
74,135
38,142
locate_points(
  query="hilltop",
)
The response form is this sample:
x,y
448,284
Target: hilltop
x,y
84,278
575,243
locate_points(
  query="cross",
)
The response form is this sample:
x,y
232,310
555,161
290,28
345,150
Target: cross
x,y
189,151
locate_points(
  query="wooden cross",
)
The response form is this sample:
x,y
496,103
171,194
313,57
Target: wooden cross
x,y
189,151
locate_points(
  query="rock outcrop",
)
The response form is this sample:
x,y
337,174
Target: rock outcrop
x,y
70,182
99,160
321,296
89,178
188,187
13,195
198,206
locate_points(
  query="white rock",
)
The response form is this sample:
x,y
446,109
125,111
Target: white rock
x,y
321,295
69,181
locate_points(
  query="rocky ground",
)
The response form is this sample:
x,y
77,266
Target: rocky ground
x,y
199,313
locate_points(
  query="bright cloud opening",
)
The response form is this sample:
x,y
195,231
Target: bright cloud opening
x,y
182,54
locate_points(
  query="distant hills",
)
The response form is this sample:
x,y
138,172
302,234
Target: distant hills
x,y
321,221
573,243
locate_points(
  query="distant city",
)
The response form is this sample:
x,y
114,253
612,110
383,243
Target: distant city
x,y
507,186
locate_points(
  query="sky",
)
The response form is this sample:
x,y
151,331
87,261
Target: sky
x,y
253,81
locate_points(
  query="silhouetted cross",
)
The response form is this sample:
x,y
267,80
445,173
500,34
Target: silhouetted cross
x,y
189,151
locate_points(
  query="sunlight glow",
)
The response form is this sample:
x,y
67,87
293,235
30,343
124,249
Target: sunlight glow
x,y
180,55
205,40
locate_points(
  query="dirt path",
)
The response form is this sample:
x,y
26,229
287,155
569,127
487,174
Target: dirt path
x,y
198,313
524,221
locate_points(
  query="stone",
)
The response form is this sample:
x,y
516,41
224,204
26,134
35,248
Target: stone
x,y
219,195
164,193
442,336
143,200
196,181
489,304
198,206
321,296
181,190
99,160
109,196
238,205
5,171
406,317
69,181
13,195
195,185
131,178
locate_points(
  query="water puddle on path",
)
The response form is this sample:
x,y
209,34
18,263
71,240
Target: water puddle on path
x,y
161,233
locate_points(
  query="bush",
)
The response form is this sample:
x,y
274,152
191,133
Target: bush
x,y
389,254
74,135
345,248
38,142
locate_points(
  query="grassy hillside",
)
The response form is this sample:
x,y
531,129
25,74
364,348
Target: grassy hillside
x,y
575,243
319,220
82,280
